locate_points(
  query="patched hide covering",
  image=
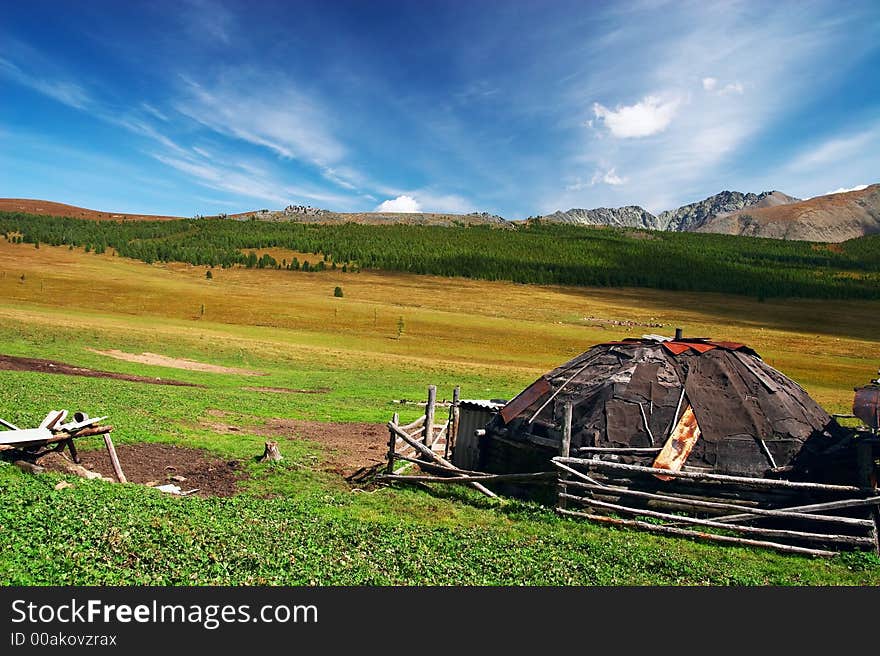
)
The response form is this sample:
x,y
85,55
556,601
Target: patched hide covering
x,y
621,390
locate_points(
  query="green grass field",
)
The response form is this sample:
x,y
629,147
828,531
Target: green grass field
x,y
294,522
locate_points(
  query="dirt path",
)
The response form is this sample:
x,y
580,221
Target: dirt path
x,y
176,363
348,446
15,363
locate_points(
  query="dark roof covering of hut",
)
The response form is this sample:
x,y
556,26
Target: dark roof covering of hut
x,y
622,390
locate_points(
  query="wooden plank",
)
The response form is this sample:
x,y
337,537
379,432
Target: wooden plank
x,y
683,532
25,435
7,425
719,478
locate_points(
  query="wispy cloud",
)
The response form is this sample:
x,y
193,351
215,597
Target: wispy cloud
x,y
250,183
271,114
834,150
64,91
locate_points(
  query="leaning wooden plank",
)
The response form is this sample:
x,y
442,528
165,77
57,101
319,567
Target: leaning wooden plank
x,y
717,505
25,435
421,448
439,434
54,417
679,445
683,532
7,425
114,459
720,478
533,476
418,423
747,530
830,505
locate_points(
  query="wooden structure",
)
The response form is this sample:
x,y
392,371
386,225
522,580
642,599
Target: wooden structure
x,y
53,435
417,444
691,438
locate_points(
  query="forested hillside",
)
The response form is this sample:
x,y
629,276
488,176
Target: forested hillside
x,y
537,253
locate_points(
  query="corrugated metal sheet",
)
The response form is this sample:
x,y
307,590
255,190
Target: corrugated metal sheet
x,y
482,404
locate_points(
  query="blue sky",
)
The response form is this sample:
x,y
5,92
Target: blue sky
x,y
517,108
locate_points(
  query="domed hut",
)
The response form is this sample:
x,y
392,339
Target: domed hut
x,y
629,397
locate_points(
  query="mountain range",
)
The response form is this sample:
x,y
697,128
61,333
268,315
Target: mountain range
x,y
833,217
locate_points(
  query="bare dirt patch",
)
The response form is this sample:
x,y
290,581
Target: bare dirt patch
x,y
176,363
15,363
158,463
287,390
348,446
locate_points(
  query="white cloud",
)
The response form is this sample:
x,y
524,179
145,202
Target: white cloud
x,y
733,87
649,116
403,204
843,190
710,84
608,177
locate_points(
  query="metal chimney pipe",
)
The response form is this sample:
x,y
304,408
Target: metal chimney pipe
x,y
678,333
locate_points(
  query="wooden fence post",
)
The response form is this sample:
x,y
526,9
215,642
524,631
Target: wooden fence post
x,y
564,450
452,431
428,430
392,445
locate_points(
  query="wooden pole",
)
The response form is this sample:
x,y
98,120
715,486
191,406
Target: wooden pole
x,y
564,451
671,530
747,530
831,505
718,505
622,450
530,476
428,429
114,459
452,432
421,448
745,481
392,444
